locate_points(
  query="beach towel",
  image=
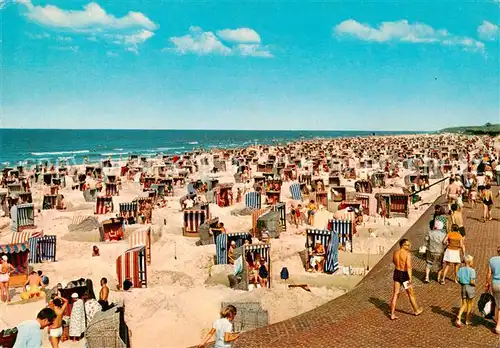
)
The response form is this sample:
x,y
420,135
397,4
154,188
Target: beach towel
x,y
295,192
77,319
332,254
253,200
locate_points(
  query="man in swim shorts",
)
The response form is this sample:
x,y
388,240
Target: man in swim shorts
x,y
59,305
402,277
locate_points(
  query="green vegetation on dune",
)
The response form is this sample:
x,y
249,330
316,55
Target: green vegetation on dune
x,y
487,129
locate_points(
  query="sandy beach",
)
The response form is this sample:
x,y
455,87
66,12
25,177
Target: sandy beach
x,y
184,288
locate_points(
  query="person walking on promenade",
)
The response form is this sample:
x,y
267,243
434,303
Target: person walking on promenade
x,y
487,198
467,279
456,218
493,285
403,277
454,244
435,250
29,332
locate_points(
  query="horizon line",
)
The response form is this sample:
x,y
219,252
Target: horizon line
x,y
237,130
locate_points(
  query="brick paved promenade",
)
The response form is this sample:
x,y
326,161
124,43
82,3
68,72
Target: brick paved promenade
x,y
360,317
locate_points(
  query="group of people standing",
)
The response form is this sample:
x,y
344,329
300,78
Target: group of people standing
x,y
445,250
55,317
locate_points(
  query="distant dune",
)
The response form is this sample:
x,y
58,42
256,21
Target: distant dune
x,y
487,129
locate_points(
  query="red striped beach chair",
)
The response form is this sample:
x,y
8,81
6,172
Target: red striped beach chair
x,y
103,205
132,265
112,189
24,236
141,237
192,221
368,202
390,204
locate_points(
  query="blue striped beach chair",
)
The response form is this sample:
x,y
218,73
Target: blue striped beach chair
x,y
295,192
42,249
223,242
330,242
253,200
344,230
22,216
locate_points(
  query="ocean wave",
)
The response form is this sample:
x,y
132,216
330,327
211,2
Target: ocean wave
x,y
170,148
114,153
193,143
118,149
59,153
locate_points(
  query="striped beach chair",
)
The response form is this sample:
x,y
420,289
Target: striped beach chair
x,y
223,242
42,249
368,202
128,210
253,200
141,237
103,205
250,251
18,257
295,192
281,209
192,221
344,230
330,242
390,204
24,236
256,214
22,217
49,202
112,189
132,265
111,229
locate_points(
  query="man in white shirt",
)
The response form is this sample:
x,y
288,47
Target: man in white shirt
x,y
29,332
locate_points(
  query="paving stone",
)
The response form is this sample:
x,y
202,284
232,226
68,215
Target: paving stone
x,y
360,317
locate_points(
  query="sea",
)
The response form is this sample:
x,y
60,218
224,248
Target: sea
x,y
37,146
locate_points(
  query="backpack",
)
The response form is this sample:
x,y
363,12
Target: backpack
x,y
487,305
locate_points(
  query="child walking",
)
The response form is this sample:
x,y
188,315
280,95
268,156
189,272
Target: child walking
x,y
467,279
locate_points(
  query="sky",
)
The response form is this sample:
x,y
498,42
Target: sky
x,y
236,64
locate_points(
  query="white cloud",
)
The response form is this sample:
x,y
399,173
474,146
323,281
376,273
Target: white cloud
x,y
93,21
488,31
240,35
246,42
199,42
402,31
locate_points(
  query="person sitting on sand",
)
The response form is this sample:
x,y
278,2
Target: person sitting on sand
x,y
318,257
32,286
95,251
58,304
402,277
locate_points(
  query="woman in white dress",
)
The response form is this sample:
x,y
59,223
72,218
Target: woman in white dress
x,y
77,318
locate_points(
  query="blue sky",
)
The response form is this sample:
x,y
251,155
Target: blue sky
x,y
166,64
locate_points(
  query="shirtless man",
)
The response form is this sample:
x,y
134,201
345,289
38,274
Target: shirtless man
x,y
59,305
34,281
402,277
452,192
104,293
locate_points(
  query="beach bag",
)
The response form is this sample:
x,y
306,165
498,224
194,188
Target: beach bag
x,y
8,338
486,305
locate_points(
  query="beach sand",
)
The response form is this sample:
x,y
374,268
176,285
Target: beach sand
x,y
185,289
